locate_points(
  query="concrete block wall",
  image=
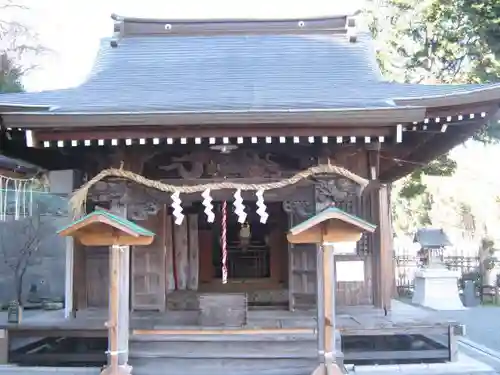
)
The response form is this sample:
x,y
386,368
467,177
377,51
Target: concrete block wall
x,y
47,272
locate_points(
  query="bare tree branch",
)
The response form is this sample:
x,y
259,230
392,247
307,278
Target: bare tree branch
x,y
19,44
20,244
6,4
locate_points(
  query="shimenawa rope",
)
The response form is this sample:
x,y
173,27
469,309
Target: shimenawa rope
x,y
79,198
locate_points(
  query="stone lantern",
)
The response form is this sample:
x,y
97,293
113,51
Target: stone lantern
x,y
436,287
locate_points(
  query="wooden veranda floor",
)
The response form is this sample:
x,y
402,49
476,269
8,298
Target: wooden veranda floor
x,y
351,321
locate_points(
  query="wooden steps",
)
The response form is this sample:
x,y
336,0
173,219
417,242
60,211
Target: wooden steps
x,y
269,352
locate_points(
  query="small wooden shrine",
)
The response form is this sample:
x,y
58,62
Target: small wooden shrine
x,y
221,135
325,229
102,228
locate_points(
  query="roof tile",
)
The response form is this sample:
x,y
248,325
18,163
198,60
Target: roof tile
x,y
232,72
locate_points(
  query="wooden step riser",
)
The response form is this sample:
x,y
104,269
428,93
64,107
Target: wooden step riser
x,y
161,366
224,349
207,336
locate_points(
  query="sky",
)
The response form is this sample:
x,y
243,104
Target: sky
x,y
71,29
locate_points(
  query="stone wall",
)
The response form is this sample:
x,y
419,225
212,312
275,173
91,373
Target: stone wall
x,y
47,268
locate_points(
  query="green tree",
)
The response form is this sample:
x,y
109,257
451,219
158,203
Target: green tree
x,y
10,76
437,41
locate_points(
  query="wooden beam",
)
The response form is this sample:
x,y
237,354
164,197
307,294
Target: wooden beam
x,y
397,356
55,330
222,331
204,132
488,107
156,26
95,239
431,146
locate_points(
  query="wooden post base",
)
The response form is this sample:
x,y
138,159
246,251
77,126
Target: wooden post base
x,y
323,370
121,370
4,346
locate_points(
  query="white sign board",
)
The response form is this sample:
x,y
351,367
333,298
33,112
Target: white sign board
x,y
343,248
350,270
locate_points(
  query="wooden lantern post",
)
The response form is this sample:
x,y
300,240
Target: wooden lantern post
x,y
102,228
326,228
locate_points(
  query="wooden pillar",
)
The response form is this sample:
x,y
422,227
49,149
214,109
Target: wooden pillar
x,y
383,249
330,349
193,252
69,305
114,309
124,291
119,305
328,298
124,305
4,346
320,302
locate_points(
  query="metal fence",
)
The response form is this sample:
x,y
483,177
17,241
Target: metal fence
x,y
407,265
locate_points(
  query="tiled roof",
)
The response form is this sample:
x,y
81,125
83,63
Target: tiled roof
x,y
113,219
332,213
431,238
233,72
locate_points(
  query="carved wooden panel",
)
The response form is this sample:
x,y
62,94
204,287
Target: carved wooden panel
x,y
148,269
194,252
241,163
97,277
181,246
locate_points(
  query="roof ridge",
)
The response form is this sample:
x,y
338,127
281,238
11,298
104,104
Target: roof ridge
x,y
119,18
133,27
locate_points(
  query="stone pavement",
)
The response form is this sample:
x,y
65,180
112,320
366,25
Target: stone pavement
x,y
482,340
482,324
